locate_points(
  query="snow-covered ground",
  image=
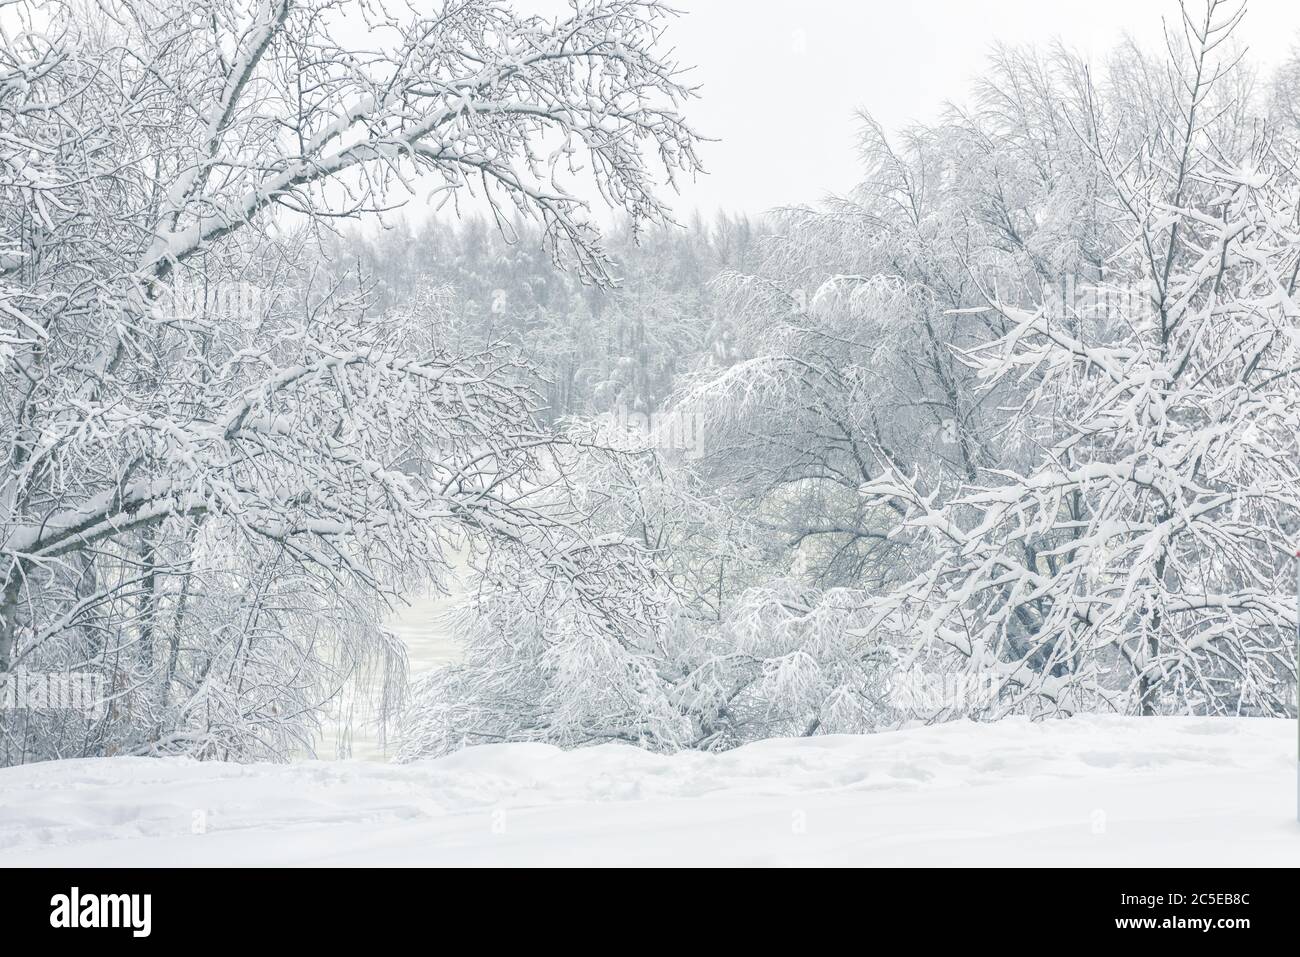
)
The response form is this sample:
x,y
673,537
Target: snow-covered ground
x,y
1086,791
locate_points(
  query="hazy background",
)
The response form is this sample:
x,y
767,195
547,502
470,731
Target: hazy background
x,y
781,81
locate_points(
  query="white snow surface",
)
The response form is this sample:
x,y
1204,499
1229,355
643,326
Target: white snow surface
x,y
1083,791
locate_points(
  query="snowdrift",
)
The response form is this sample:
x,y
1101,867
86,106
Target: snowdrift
x,y
1084,791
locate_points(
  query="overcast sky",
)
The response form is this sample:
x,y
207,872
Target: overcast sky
x,y
781,79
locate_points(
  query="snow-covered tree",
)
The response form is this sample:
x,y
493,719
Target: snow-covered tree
x,y
1139,561
1030,390
219,463
680,636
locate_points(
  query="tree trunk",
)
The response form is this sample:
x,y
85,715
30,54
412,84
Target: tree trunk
x,y
9,613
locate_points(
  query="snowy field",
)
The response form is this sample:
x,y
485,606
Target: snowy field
x,y
1087,791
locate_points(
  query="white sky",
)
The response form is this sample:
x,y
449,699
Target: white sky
x,y
781,79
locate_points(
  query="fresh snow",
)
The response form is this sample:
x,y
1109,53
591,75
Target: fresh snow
x,y
1083,791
